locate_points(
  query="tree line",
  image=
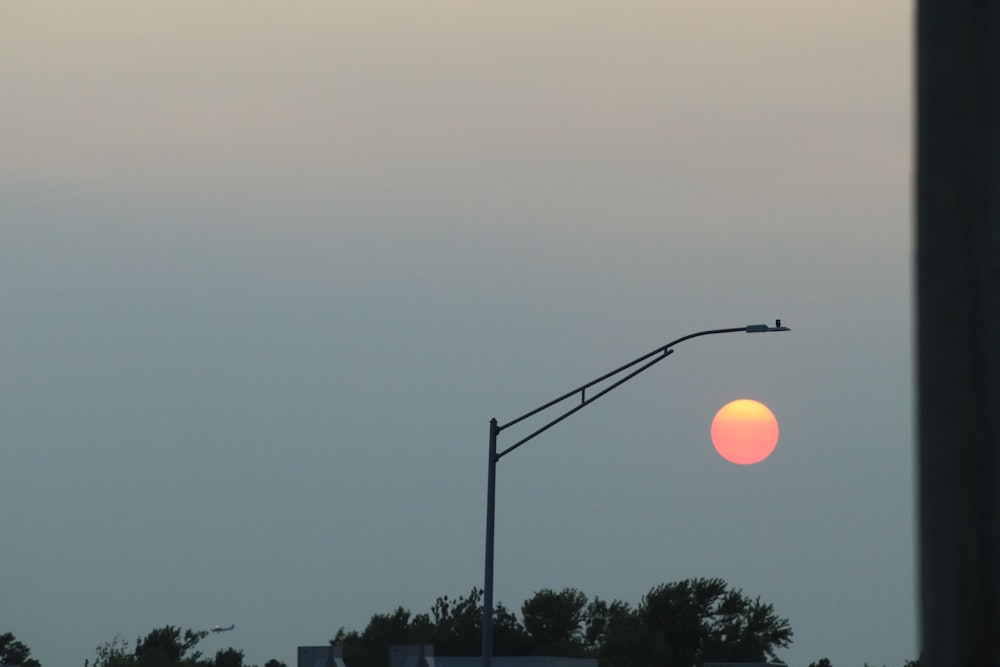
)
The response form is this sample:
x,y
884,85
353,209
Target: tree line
x,y
675,625
168,646
681,624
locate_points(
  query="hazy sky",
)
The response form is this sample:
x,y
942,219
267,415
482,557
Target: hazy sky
x,y
268,269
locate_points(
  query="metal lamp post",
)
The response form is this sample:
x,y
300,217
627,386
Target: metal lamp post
x,y
650,359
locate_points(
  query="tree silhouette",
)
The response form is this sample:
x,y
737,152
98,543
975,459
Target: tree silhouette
x,y
676,625
704,620
169,644
554,621
13,652
229,657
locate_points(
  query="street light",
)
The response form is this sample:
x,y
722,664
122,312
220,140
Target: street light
x,y
651,358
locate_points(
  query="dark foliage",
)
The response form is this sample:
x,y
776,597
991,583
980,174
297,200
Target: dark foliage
x,y
555,622
168,646
13,652
824,662
676,625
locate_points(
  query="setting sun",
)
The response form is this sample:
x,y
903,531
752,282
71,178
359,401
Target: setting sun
x,y
744,431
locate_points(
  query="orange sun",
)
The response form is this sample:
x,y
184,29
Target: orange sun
x,y
744,431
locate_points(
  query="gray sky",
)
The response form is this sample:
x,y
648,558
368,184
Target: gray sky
x,y
268,269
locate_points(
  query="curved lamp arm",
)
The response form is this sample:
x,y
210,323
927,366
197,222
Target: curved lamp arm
x,y
658,355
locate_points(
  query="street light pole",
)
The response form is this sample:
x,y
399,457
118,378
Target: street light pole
x,y
650,359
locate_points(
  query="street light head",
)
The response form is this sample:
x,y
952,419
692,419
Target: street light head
x,y
760,328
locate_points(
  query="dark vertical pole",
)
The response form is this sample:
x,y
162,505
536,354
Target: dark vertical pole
x,y
958,329
491,493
